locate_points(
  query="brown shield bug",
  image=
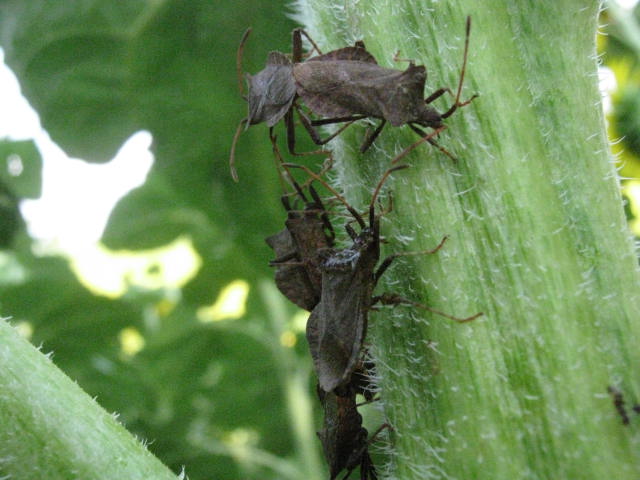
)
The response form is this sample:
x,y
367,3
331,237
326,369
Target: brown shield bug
x,y
348,90
345,441
337,326
306,232
296,247
272,93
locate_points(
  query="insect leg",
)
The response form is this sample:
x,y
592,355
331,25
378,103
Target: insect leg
x,y
376,192
432,142
291,131
296,48
386,263
455,106
367,402
326,166
368,141
306,122
331,121
393,299
324,217
291,135
350,231
618,403
426,138
297,54
367,469
287,174
398,58
377,432
437,94
339,197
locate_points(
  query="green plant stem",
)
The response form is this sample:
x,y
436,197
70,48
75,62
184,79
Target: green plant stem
x,y
294,377
50,429
538,242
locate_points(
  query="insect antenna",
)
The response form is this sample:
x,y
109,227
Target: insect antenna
x,y
319,179
279,161
425,138
372,210
324,217
239,62
297,42
232,155
457,102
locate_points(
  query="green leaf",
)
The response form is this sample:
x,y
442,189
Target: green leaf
x,y
21,168
151,216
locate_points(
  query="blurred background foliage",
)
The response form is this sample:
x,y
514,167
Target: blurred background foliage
x,y
210,368
619,47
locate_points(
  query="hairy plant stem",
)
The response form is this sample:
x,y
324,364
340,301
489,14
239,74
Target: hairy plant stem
x,y
50,429
538,242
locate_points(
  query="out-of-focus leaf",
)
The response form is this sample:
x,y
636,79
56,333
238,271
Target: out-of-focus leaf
x,y
623,32
627,117
21,168
620,45
201,394
153,216
11,222
77,75
20,177
63,314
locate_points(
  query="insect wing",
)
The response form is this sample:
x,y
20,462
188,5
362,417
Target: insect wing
x,y
308,236
355,54
271,91
336,328
297,248
337,88
292,280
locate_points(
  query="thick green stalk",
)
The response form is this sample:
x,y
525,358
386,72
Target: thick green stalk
x,y
50,429
538,242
